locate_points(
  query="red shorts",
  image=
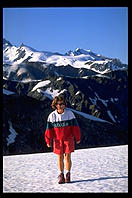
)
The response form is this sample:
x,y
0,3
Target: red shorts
x,y
63,146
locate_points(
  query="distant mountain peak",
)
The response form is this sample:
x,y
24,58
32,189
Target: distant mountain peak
x,y
27,47
78,51
82,51
6,42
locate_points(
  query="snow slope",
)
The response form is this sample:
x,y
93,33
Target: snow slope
x,y
13,54
93,170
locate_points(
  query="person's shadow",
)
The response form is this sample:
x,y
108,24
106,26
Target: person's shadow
x,y
96,179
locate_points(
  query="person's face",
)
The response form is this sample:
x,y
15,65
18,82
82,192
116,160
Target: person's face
x,y
60,105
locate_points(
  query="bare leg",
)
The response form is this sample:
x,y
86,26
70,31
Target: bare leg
x,y
61,162
68,162
61,178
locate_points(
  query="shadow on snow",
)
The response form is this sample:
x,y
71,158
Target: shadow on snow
x,y
97,179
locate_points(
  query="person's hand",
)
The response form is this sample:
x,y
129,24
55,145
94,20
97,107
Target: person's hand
x,y
78,142
48,145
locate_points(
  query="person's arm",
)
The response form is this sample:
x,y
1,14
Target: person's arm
x,y
76,131
49,133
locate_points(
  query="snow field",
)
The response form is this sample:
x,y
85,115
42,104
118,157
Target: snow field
x,y
93,170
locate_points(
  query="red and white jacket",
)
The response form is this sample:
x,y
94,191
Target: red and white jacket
x,y
62,126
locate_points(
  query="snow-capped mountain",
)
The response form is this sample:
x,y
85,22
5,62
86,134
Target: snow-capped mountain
x,y
13,54
95,88
79,59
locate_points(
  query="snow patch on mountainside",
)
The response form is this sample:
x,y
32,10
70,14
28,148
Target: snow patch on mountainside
x,y
51,93
7,92
88,116
9,54
13,134
41,84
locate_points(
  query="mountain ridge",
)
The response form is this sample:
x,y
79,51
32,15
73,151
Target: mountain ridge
x,y
93,89
23,62
71,57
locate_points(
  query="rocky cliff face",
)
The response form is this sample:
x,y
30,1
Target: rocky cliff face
x,y
91,84
28,109
28,117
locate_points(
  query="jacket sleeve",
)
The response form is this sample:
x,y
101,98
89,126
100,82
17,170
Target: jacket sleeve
x,y
49,132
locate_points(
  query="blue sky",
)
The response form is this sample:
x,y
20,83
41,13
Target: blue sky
x,y
103,30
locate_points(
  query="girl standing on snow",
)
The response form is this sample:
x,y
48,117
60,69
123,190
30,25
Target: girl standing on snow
x,y
62,128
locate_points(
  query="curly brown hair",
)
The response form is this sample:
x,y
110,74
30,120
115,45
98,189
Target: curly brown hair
x,y
56,100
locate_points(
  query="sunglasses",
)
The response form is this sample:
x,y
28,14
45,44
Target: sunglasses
x,y
60,104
